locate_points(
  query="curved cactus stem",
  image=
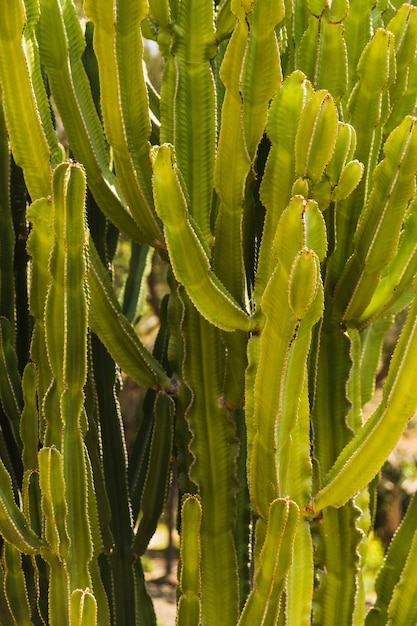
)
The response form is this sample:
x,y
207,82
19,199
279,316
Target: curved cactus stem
x,y
263,604
189,603
214,447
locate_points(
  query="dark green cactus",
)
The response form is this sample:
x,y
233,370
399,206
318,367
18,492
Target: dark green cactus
x,y
275,174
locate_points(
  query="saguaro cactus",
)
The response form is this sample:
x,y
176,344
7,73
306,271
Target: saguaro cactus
x,y
275,175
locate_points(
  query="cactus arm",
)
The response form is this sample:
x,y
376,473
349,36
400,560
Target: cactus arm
x,y
298,483
157,478
134,295
98,516
364,455
29,422
10,383
395,578
403,98
188,101
58,594
282,124
189,603
117,334
334,599
377,236
316,136
290,446
376,70
357,29
193,47
7,280
259,81
263,604
71,91
232,163
370,94
53,503
275,342
247,93
396,277
83,608
66,340
127,126
38,81
192,269
66,299
14,526
15,586
213,470
291,304
322,54
300,578
19,103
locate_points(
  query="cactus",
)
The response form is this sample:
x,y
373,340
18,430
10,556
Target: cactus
x,y
275,175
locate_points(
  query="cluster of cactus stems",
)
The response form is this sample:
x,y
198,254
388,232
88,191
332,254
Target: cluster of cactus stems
x,y
275,174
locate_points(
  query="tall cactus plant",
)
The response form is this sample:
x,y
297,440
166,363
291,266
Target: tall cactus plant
x,y
275,175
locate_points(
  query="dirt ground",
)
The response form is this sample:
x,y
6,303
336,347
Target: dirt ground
x,y
162,587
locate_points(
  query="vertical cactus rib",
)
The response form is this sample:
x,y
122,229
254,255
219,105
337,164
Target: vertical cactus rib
x,y
128,594
61,45
258,80
14,526
394,584
54,506
193,47
192,269
15,586
334,599
357,30
394,288
263,605
298,484
7,298
116,333
83,608
66,340
189,603
364,455
214,447
157,480
402,99
127,126
28,140
232,163
377,235
322,54
292,303
29,421
10,383
376,72
275,191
